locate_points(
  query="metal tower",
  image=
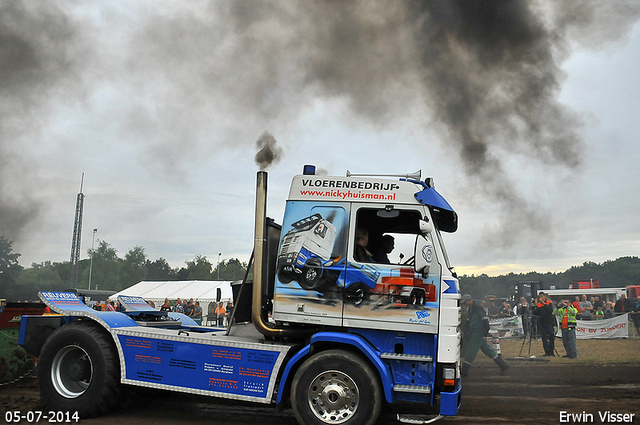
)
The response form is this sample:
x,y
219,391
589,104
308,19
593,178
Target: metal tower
x,y
77,233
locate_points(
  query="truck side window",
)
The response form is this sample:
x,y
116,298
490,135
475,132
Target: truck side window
x,y
385,237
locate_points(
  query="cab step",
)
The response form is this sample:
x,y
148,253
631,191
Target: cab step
x,y
420,389
406,357
417,419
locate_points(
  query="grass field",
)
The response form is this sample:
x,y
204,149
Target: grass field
x,y
591,351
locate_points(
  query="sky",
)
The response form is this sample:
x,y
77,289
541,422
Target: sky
x,y
525,113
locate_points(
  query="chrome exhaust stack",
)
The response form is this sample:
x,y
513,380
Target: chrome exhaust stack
x,y
258,313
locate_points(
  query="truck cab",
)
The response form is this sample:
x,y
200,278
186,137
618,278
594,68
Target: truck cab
x,y
333,323
402,286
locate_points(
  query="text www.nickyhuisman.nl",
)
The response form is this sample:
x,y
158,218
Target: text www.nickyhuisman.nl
x,y
348,194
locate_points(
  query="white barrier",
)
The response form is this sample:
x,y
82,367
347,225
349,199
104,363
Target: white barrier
x,y
507,326
617,327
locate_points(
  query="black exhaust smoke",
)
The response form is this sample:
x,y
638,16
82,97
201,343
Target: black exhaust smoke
x,y
486,73
268,152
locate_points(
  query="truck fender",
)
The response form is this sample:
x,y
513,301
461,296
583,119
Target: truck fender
x,y
285,373
337,339
35,330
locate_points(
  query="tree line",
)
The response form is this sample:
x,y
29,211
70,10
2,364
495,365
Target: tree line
x,y
108,271
618,273
111,272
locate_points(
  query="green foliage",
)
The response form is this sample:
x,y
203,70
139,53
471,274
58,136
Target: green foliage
x,y
9,270
134,267
106,267
108,271
199,268
160,270
40,277
111,272
7,259
232,269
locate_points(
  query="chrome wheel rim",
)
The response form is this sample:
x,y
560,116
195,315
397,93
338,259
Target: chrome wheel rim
x,y
333,397
71,371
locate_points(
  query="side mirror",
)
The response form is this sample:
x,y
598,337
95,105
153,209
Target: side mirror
x,y
425,227
423,254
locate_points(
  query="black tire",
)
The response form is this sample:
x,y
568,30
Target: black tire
x,y
78,370
311,278
418,297
336,387
284,276
358,293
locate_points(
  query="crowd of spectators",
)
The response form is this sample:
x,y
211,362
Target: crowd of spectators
x,y
193,309
190,308
588,308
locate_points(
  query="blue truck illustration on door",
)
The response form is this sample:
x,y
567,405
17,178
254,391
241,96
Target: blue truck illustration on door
x,y
306,251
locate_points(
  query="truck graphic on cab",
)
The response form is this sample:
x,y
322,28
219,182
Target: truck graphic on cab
x,y
305,250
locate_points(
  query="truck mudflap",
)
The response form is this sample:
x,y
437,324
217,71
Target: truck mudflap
x,y
449,406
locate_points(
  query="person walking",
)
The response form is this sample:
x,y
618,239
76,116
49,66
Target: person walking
x,y
567,314
478,328
544,310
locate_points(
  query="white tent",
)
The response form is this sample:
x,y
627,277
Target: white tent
x,y
204,291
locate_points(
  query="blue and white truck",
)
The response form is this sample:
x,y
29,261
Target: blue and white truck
x,y
335,338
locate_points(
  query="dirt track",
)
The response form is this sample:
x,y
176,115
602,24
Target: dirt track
x,y
530,393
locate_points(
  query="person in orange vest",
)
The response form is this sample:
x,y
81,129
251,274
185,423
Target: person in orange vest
x,y
543,309
219,312
567,314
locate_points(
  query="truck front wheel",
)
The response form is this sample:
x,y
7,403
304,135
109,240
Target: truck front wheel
x,y
336,387
78,370
311,278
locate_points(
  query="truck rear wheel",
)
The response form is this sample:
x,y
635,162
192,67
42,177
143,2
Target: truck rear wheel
x,y
336,387
358,293
78,370
418,297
